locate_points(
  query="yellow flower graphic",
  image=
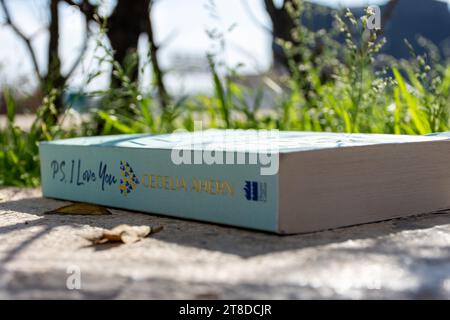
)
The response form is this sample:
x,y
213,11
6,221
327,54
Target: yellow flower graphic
x,y
129,181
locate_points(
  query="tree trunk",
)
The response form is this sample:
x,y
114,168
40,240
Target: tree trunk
x,y
162,92
282,25
53,78
127,22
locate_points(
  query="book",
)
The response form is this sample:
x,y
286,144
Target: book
x,y
281,182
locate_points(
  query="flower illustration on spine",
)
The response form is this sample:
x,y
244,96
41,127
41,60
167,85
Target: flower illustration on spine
x,y
129,181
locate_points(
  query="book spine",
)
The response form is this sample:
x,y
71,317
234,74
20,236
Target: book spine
x,y
148,180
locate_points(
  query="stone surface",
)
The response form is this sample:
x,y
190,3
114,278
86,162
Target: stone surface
x,y
403,258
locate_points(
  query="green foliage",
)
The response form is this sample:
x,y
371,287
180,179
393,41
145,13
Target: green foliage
x,y
19,153
330,87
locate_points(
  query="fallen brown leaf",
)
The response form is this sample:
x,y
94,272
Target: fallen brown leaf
x,y
123,233
81,209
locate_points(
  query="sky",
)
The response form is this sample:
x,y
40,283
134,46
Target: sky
x,y
179,24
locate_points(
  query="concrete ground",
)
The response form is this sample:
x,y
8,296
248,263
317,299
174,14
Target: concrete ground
x,y
403,258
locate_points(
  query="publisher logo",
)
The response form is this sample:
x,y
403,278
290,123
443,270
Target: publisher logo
x,y
129,181
255,191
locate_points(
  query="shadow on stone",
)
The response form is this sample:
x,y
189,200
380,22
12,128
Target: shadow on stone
x,y
230,240
103,246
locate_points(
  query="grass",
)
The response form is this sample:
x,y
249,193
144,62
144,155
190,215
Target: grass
x,y
339,90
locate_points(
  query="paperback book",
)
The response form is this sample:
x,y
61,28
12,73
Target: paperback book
x,y
281,182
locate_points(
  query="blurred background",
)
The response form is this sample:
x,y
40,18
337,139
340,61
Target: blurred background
x,y
180,29
84,67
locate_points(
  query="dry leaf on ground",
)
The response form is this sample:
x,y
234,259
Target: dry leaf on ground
x,y
80,209
123,233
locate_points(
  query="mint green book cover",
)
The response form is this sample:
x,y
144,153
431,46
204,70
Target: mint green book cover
x,y
161,174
